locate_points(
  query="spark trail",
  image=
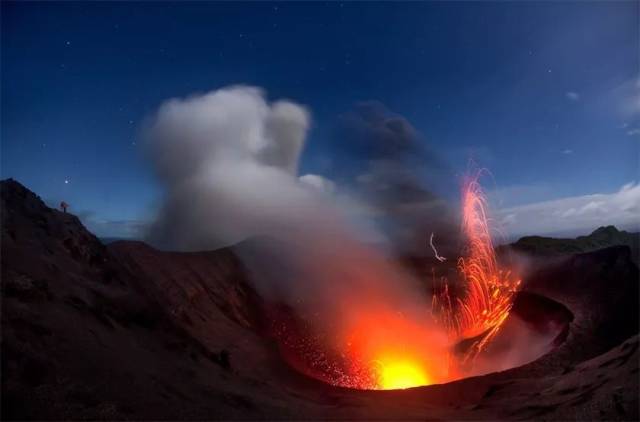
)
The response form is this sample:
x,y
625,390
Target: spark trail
x,y
489,289
435,251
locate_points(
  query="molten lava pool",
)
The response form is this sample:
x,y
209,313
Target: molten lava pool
x,y
398,351
378,351
398,356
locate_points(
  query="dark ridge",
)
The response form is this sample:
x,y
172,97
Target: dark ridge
x,y
127,332
602,237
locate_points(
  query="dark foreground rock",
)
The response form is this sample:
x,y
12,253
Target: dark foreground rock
x,y
130,332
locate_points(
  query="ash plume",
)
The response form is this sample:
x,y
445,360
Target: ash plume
x,y
398,173
228,162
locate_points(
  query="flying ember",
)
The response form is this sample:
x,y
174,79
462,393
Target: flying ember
x,y
488,288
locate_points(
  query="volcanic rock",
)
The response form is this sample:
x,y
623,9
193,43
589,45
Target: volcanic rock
x,y
130,332
600,238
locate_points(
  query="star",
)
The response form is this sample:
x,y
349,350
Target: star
x,y
66,181
68,42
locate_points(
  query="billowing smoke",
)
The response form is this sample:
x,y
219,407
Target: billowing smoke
x,y
395,171
228,162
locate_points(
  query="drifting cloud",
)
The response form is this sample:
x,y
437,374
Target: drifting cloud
x,y
115,229
509,196
318,183
102,227
627,98
634,132
567,151
578,213
572,96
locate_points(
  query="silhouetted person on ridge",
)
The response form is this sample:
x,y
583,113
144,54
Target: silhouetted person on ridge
x,y
64,206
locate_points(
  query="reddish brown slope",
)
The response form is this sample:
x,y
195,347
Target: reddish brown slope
x,y
83,338
129,332
207,294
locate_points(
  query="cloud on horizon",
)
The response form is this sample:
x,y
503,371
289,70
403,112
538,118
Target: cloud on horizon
x,y
573,96
576,213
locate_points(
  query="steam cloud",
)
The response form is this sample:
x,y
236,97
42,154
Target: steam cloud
x,y
228,163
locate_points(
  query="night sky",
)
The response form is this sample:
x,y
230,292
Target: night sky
x,y
546,95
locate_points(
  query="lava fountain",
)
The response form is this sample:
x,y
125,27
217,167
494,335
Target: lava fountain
x,y
488,289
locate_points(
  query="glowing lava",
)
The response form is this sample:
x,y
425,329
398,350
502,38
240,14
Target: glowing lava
x,y
398,351
401,374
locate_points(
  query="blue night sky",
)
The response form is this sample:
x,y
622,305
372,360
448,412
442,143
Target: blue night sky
x,y
544,94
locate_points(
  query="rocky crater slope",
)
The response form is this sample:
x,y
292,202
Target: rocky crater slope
x,y
130,332
600,238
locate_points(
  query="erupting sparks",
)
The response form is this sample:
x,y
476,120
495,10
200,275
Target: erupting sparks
x,y
488,288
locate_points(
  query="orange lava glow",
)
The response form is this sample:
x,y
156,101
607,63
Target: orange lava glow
x,y
398,352
398,374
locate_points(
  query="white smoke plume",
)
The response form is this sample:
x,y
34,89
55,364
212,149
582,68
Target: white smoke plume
x,y
228,161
